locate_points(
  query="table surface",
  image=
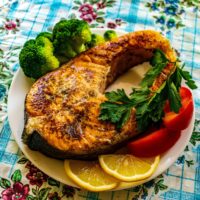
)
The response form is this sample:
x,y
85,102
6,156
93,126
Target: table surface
x,y
21,20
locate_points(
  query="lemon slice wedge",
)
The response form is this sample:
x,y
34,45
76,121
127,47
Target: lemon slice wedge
x,y
128,167
89,175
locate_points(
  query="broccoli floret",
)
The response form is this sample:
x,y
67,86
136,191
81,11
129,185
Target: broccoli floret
x,y
96,40
62,59
70,37
36,57
45,34
110,35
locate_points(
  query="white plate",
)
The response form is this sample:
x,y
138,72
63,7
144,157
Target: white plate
x,y
55,168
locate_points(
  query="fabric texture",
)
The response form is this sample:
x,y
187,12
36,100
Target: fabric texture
x,y
20,20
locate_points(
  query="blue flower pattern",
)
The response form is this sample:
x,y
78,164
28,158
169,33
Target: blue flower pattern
x,y
169,13
161,20
171,23
171,10
154,6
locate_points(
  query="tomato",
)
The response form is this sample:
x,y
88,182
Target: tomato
x,y
181,120
155,143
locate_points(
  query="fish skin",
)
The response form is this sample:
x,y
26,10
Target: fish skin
x,y
63,106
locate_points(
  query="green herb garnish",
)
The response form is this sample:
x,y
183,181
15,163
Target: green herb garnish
x,y
117,109
187,77
158,62
149,105
173,96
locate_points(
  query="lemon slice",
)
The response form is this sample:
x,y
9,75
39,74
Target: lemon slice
x,y
128,167
89,175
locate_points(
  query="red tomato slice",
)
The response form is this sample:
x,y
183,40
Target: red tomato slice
x,y
181,120
155,143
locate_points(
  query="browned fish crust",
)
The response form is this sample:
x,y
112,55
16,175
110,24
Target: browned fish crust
x,y
62,107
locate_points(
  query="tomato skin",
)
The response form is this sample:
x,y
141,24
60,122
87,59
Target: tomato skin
x,y
181,120
155,143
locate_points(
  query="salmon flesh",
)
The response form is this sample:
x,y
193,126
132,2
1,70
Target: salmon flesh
x,y
62,108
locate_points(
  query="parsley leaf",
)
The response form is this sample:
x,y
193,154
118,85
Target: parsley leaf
x,y
115,113
117,109
158,62
156,106
177,78
143,122
158,58
152,110
118,95
186,75
139,95
180,74
174,97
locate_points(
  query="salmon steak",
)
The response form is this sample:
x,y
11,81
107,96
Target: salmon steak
x,y
62,108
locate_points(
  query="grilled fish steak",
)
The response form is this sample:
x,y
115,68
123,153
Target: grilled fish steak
x,y
62,107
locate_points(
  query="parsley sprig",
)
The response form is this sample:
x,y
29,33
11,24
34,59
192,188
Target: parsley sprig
x,y
158,62
149,106
117,109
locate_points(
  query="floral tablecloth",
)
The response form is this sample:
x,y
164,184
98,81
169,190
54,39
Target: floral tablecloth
x,y
20,20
